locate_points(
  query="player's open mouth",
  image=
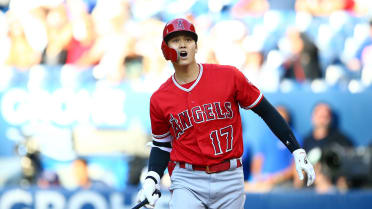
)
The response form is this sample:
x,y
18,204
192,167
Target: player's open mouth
x,y
183,54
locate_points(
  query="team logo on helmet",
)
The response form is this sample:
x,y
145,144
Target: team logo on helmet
x,y
180,25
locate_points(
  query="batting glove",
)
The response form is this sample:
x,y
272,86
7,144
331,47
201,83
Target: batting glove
x,y
148,189
302,163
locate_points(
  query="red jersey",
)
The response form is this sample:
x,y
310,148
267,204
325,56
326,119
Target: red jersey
x,y
202,121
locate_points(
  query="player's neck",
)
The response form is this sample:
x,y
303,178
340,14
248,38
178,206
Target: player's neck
x,y
186,73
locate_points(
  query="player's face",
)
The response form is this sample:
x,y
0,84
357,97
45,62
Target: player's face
x,y
185,46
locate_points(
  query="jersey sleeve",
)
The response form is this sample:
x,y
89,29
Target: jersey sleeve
x,y
247,94
160,128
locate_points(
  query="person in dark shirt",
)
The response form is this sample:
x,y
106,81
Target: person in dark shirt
x,y
325,133
303,63
324,136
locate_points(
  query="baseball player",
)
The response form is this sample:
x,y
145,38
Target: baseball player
x,y
197,131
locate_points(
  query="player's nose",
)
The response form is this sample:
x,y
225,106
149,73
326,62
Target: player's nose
x,y
183,44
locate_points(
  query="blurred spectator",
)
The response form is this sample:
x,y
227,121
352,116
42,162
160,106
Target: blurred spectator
x,y
324,7
249,8
80,169
48,179
80,50
114,39
154,65
31,166
325,131
82,177
362,59
260,70
302,62
4,39
272,167
356,63
225,37
366,76
325,135
252,67
21,55
59,33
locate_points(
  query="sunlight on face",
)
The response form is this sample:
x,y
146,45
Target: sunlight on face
x,y
185,46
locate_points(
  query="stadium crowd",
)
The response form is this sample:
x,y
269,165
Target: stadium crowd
x,y
311,44
326,42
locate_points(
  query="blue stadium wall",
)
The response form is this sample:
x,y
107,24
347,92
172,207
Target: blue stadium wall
x,y
353,110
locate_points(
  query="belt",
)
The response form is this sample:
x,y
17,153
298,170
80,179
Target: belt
x,y
215,168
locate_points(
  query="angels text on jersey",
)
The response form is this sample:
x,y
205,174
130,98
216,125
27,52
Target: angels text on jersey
x,y
199,114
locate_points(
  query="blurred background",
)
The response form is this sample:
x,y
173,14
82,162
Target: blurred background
x,y
76,77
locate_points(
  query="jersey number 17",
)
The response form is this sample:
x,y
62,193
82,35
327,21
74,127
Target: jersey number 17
x,y
225,134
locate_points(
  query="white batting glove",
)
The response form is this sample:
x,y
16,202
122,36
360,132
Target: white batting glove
x,y
148,188
302,163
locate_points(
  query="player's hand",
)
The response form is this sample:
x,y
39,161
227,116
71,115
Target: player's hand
x,y
148,189
302,163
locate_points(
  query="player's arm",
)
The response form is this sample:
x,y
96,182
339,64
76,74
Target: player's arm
x,y
281,129
159,155
161,140
277,124
158,161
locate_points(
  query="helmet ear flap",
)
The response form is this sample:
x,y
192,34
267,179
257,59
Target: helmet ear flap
x,y
169,53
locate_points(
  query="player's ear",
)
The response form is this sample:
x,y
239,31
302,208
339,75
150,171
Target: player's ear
x,y
196,47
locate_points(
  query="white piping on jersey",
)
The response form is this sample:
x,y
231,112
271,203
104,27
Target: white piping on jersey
x,y
193,85
160,136
165,139
255,102
167,149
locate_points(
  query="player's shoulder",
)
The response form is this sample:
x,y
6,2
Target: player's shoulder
x,y
224,71
162,88
218,67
